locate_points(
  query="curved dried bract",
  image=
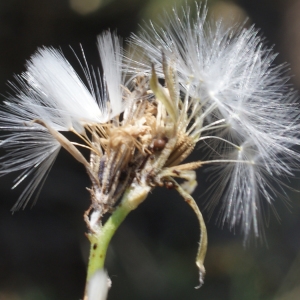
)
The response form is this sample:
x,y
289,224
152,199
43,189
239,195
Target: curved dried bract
x,y
141,120
244,113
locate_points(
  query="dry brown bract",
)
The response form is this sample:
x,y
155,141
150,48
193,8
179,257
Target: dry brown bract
x,y
141,149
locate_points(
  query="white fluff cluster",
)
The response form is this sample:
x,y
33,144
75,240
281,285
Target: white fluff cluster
x,y
249,118
240,108
52,92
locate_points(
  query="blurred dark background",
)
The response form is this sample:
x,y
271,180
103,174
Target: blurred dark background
x,y
44,251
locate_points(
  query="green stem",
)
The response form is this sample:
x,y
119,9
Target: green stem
x,y
101,238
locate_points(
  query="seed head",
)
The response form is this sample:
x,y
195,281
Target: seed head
x,y
195,82
246,116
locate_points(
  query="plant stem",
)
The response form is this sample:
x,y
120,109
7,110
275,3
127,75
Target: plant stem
x,y
101,238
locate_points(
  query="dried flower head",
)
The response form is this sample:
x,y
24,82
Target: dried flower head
x,y
217,87
249,114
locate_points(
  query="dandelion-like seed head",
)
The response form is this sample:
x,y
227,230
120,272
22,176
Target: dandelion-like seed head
x,y
194,82
247,113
